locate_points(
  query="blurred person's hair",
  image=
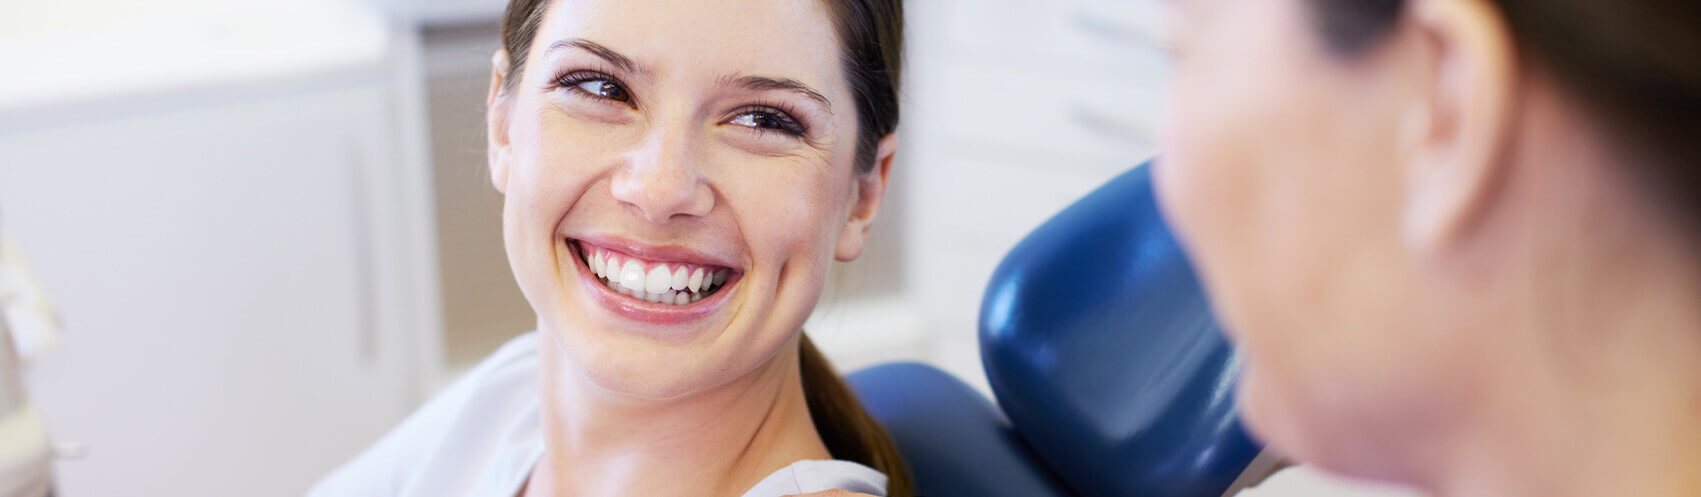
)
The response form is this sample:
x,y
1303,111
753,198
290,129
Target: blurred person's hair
x,y
1633,65
871,39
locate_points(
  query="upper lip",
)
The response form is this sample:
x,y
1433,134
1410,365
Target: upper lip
x,y
656,253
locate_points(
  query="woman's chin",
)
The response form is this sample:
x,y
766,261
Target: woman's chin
x,y
649,377
1352,439
636,361
1270,419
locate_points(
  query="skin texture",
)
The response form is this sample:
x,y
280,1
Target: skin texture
x,y
715,403
1429,254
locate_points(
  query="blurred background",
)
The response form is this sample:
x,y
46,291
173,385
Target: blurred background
x,y
266,233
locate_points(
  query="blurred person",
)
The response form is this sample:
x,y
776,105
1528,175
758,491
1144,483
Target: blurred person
x,y
1456,239
25,459
26,464
678,177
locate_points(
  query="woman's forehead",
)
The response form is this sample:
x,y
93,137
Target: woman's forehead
x,y
779,39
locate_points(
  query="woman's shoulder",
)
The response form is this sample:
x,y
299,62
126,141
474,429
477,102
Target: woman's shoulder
x,y
480,427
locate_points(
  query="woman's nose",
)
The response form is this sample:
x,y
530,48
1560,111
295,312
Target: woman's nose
x,y
662,179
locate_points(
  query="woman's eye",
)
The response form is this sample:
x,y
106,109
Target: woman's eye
x,y
768,120
605,89
599,87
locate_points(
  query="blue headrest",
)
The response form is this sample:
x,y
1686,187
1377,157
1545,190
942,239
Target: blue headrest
x,y
954,440
1102,351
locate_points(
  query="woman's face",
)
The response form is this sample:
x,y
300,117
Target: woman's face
x,y
1281,174
678,176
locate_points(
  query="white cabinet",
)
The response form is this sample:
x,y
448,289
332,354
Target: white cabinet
x,y
235,288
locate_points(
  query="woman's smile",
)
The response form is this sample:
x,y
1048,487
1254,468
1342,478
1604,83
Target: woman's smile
x,y
660,285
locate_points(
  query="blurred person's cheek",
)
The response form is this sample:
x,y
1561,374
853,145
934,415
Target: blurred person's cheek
x,y
1217,117
1240,125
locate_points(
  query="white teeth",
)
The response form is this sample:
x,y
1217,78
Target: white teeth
x,y
632,275
658,279
655,283
679,279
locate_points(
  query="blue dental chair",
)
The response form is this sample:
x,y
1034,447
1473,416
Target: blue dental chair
x,y
1111,375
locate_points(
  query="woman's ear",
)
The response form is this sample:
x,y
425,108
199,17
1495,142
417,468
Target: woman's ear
x,y
1453,135
496,121
870,191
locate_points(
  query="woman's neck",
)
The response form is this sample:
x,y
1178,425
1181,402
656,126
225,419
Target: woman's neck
x,y
1604,397
1644,440
718,442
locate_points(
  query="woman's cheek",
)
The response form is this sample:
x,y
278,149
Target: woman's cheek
x,y
1171,175
1187,177
797,220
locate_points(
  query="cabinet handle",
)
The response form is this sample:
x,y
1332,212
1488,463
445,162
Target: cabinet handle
x,y
1133,30
1109,126
364,279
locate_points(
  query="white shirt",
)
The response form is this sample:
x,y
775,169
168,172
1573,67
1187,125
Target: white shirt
x,y
482,436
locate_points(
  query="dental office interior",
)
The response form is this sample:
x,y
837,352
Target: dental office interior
x,y
242,240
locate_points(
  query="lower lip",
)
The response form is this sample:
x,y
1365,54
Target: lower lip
x,y
648,312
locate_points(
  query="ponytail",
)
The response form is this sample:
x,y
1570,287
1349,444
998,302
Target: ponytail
x,y
849,432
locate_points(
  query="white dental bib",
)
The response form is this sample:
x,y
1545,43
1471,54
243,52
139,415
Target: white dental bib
x,y
482,436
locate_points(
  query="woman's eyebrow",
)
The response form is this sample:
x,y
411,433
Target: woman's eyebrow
x,y
621,61
762,83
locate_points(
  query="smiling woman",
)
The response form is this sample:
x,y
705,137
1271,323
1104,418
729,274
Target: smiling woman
x,y
672,207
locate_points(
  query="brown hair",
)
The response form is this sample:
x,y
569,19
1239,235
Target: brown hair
x,y
871,33
1633,64
847,429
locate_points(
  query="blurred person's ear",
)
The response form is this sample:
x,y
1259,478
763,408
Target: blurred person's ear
x,y
870,192
1454,132
498,106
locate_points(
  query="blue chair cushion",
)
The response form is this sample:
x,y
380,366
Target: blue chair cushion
x,y
954,440
1101,348
1102,351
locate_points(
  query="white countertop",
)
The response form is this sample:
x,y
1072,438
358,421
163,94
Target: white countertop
x,y
58,53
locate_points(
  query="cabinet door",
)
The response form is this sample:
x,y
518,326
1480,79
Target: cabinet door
x,y
223,285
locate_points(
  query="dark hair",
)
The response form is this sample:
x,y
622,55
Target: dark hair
x,y
845,427
871,33
1633,64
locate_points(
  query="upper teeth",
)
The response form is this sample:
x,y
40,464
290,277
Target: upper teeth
x,y
669,283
